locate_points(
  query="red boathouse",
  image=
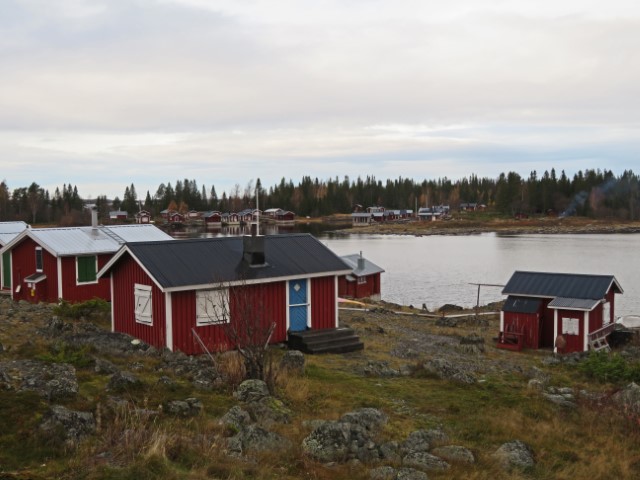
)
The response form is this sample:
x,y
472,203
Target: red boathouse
x,y
564,311
363,281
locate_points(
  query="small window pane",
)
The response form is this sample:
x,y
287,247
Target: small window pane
x,y
39,260
87,269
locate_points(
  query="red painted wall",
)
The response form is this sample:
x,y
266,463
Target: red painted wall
x,y
595,319
24,264
323,303
359,290
524,322
575,343
79,293
125,275
266,302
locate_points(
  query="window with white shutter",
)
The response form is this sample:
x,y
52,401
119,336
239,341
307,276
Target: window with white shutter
x,y
570,326
212,307
143,310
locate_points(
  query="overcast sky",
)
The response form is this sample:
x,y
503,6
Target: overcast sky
x,y
105,93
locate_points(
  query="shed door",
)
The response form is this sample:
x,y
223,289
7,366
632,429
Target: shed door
x,y
298,305
6,270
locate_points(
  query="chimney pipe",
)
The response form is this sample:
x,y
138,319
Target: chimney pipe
x,y
253,248
94,217
361,261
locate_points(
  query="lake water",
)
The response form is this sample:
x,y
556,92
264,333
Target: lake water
x,y
441,269
438,269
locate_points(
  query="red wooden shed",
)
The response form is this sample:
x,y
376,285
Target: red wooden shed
x,y
363,281
175,294
49,264
564,311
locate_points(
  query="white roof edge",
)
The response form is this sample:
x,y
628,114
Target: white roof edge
x,y
125,249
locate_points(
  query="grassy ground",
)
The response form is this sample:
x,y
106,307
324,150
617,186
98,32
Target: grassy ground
x,y
589,441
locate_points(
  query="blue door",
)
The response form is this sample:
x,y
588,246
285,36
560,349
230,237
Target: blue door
x,y
298,305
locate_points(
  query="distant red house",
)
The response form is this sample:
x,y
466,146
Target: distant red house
x,y
163,292
175,217
118,215
48,264
213,218
143,217
564,311
363,281
285,217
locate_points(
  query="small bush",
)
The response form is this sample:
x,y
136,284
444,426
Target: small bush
x,y
62,352
606,367
96,307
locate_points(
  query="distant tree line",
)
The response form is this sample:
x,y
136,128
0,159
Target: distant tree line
x,y
592,193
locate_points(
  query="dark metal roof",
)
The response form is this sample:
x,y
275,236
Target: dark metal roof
x,y
569,285
370,268
521,305
184,263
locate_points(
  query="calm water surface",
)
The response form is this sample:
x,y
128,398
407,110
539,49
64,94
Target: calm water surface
x,y
439,269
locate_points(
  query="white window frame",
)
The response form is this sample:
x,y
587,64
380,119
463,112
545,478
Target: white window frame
x,y
143,310
570,326
362,280
212,307
40,255
606,313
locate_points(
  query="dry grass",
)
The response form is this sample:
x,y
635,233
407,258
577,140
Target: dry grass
x,y
588,442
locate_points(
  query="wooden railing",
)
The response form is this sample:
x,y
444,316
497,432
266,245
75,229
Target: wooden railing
x,y
598,339
511,340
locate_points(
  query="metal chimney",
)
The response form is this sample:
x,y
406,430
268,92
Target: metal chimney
x,y
94,217
360,262
253,248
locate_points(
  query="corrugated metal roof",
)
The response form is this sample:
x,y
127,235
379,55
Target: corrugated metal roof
x,y
574,303
92,241
370,268
521,305
569,285
184,263
12,227
7,237
138,233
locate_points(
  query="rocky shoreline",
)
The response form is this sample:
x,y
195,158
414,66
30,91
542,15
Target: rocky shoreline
x,y
546,226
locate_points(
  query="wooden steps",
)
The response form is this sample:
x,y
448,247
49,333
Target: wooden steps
x,y
328,340
598,339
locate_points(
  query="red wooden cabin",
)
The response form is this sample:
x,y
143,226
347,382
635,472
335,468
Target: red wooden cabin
x,y
564,311
49,264
363,281
143,217
213,218
174,294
